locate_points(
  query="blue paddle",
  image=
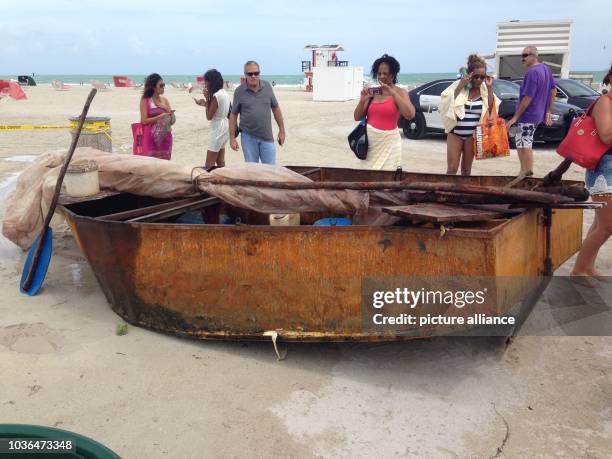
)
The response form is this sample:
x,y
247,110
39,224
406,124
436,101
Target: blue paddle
x,y
41,267
39,256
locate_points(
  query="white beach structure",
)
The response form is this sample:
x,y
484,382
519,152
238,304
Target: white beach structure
x,y
329,78
552,38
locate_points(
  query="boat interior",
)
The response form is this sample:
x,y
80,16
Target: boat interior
x,y
204,209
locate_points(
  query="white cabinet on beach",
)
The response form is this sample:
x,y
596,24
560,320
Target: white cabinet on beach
x,y
336,83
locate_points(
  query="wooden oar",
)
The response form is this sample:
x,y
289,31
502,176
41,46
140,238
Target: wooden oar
x,y
556,174
35,267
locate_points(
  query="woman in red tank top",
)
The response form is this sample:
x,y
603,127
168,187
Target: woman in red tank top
x,y
383,105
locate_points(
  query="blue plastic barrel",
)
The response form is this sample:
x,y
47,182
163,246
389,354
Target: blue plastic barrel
x,y
334,221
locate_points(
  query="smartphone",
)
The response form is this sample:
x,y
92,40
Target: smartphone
x,y
463,74
375,91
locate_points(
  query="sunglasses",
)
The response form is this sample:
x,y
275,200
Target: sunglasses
x,y
251,74
524,55
479,77
162,85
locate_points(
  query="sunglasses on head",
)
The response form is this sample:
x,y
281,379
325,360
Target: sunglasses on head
x,y
524,55
251,74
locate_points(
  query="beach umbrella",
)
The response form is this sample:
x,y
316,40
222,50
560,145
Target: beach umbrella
x,y
11,89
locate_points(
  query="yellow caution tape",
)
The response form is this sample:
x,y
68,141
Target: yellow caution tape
x,y
27,127
96,127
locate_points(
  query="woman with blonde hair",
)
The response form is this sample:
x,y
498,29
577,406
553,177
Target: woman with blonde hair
x,y
463,105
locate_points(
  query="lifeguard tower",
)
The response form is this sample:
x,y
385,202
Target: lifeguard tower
x,y
327,77
552,38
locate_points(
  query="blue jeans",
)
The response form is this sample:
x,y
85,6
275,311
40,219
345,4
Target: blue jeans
x,y
255,149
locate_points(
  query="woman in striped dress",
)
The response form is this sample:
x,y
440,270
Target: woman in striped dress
x,y
462,107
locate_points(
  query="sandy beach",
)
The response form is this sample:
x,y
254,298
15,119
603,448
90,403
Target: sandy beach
x,y
150,395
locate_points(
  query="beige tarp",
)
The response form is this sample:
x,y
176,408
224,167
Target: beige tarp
x,y
27,205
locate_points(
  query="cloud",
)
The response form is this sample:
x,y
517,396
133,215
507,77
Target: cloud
x,y
140,47
185,36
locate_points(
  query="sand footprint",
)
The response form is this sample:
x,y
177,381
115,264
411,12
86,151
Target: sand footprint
x,y
34,338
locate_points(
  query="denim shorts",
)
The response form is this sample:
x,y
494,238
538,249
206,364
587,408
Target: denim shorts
x,y
599,180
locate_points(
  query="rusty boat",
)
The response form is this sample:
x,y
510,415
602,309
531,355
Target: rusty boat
x,y
245,279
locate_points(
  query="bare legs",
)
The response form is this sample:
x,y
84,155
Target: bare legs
x,y
596,237
459,151
215,158
526,158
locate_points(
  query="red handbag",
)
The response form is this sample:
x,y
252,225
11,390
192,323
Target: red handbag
x,y
582,143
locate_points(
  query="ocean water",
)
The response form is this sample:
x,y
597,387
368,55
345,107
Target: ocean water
x,y
283,80
289,80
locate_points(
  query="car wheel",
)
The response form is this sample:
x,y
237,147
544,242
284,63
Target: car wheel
x,y
415,128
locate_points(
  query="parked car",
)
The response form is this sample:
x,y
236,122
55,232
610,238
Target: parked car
x,y
573,92
426,99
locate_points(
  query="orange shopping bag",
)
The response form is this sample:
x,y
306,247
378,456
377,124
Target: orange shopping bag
x,y
491,137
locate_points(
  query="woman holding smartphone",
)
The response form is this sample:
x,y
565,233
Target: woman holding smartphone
x,y
463,105
217,103
382,105
155,110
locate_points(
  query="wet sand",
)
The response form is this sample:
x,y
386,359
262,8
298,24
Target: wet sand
x,y
149,395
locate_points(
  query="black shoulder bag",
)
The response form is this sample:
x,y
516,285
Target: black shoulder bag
x,y
358,138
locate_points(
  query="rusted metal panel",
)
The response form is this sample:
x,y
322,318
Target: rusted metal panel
x,y
566,235
441,213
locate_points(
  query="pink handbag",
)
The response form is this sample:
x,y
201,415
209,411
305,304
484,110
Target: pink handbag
x,y
142,139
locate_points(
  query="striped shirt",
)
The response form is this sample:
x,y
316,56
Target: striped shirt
x,y
473,111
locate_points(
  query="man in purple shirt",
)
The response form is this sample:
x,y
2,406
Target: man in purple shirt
x,y
534,106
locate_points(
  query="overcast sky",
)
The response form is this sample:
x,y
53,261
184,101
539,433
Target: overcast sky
x,y
188,37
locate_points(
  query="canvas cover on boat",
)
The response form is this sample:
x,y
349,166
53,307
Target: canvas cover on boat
x,y
146,176
27,206
271,200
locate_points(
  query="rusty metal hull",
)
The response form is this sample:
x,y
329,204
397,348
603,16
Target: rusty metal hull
x,y
241,281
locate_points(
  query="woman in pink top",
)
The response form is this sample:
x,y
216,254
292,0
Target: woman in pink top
x,y
383,105
155,110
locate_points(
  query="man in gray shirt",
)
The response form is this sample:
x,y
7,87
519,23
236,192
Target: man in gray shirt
x,y
253,101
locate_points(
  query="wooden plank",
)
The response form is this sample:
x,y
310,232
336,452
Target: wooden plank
x,y
441,213
177,210
569,205
316,170
518,194
500,208
128,214
505,194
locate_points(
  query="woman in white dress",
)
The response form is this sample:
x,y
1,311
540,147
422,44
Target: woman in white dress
x,y
217,103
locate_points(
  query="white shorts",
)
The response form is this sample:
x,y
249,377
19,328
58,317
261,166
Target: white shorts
x,y
524,136
218,135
